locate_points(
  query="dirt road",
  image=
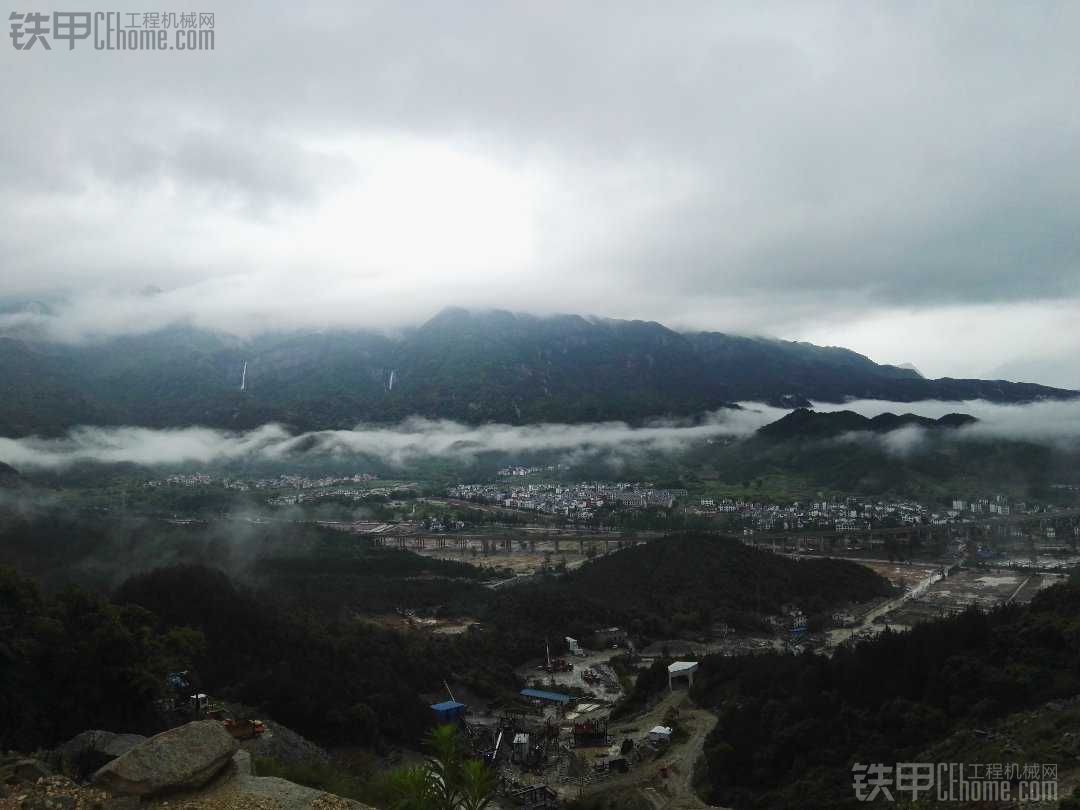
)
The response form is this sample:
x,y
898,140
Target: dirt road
x,y
676,790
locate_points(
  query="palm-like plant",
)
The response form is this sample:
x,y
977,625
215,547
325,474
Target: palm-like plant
x,y
449,780
477,785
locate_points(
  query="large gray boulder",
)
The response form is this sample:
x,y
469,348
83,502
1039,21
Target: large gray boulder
x,y
182,758
85,753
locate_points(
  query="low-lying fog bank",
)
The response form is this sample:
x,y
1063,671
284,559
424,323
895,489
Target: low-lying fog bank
x,y
1050,422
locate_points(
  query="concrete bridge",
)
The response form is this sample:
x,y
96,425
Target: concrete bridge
x,y
1029,528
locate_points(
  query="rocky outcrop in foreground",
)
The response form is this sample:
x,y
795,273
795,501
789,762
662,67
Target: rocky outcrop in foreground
x,y
85,753
284,795
192,767
183,758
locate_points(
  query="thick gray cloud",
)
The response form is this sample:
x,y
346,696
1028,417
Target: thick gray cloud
x,y
411,440
833,171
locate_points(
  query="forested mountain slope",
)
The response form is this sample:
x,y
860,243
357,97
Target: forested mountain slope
x,y
468,366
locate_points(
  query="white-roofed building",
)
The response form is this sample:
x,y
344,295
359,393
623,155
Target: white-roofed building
x,y
659,734
681,669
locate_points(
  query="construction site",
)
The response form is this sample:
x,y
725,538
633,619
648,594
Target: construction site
x,y
521,551
557,740
984,588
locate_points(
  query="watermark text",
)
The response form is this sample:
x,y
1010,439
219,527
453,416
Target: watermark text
x,y
955,781
113,30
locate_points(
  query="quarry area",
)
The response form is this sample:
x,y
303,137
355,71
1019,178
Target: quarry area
x,y
555,746
547,748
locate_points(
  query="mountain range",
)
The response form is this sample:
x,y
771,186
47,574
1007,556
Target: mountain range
x,y
475,367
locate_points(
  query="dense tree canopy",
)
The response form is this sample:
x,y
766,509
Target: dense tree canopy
x,y
75,661
791,726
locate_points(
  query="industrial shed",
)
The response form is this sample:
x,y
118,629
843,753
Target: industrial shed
x,y
546,697
449,711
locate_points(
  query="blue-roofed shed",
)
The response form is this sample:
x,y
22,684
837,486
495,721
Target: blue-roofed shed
x,y
550,697
449,711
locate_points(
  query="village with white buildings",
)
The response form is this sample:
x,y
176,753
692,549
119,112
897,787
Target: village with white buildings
x,y
581,501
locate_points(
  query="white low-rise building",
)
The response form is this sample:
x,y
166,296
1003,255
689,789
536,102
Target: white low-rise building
x,y
659,734
681,669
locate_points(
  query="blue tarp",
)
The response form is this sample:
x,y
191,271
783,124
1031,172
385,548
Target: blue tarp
x,y
448,710
540,694
447,705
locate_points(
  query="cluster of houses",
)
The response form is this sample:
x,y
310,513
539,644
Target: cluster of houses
x,y
189,480
297,488
852,513
441,524
845,514
998,505
300,482
336,493
522,472
580,500
791,620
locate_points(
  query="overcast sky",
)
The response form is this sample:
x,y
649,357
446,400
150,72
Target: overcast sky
x,y
899,178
